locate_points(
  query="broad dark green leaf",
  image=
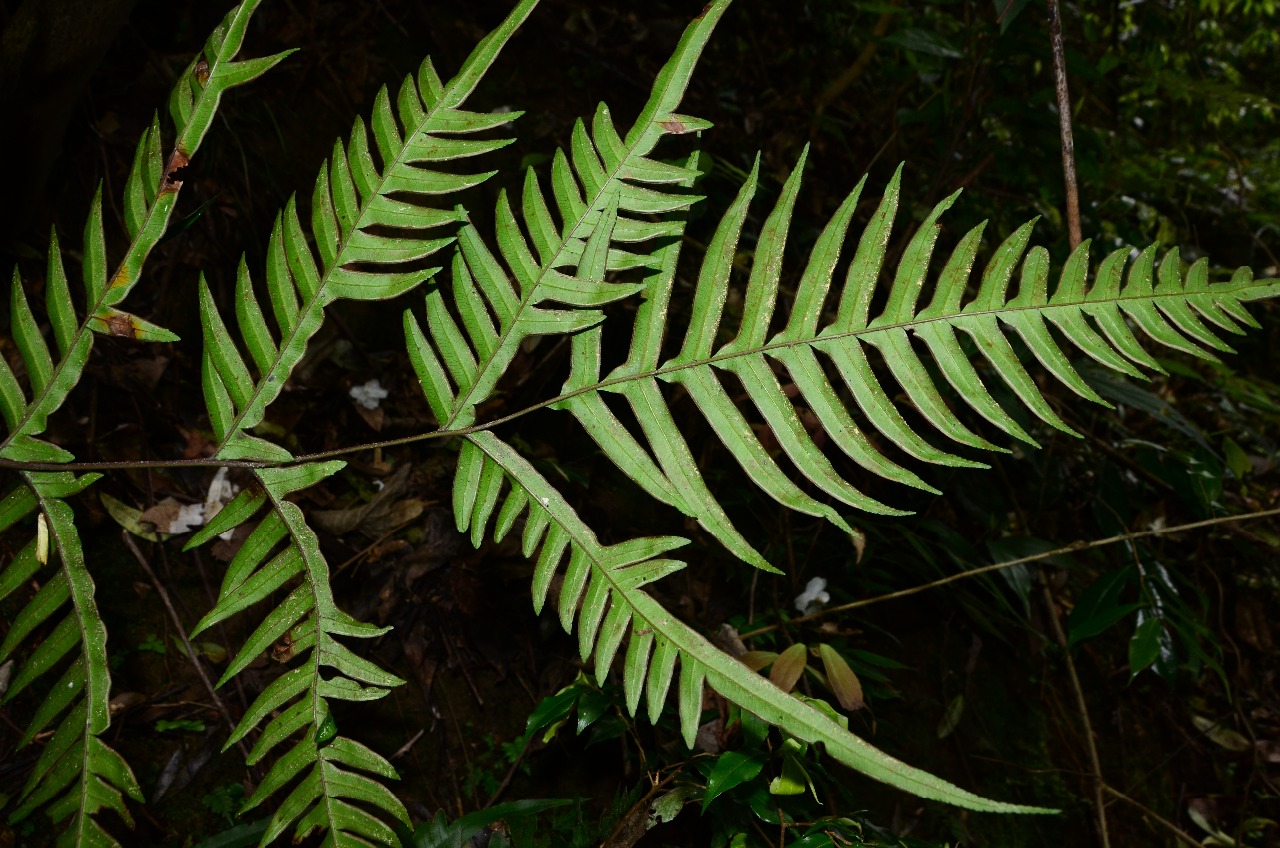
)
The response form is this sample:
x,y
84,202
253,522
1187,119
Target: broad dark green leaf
x,y
732,768
1099,606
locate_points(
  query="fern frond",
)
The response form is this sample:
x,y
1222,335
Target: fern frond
x,y
282,551
371,231
151,192
1096,318
602,597
552,280
613,199
76,775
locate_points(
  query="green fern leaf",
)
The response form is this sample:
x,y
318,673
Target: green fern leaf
x,y
602,596
369,227
596,594
602,189
76,775
606,190
1170,309
355,204
151,191
282,551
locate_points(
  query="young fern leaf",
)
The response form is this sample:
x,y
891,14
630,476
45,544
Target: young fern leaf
x,y
602,596
370,230
368,238
76,775
1163,305
335,790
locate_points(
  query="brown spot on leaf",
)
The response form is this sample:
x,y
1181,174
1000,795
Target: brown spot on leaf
x,y
282,651
202,72
172,180
119,324
674,127
703,13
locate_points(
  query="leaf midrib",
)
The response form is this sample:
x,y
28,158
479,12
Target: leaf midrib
x,y
810,341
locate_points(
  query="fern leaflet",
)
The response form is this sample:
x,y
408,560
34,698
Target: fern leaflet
x,y
369,228
150,194
602,595
1162,304
281,548
605,192
76,774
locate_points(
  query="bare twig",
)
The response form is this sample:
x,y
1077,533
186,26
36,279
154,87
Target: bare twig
x,y
182,631
1064,125
1180,834
986,569
1099,800
408,746
511,772
851,74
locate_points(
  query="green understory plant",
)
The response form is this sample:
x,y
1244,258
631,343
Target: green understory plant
x,y
609,231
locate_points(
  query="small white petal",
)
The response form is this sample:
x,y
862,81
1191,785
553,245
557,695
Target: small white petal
x,y
370,395
813,596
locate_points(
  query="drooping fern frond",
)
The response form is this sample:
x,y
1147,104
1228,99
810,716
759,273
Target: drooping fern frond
x,y
602,597
371,231
307,622
1164,305
77,774
370,226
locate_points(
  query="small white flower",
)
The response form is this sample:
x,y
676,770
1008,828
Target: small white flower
x,y
813,596
370,395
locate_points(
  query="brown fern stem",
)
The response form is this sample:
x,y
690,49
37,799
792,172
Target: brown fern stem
x,y
1064,126
1095,765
